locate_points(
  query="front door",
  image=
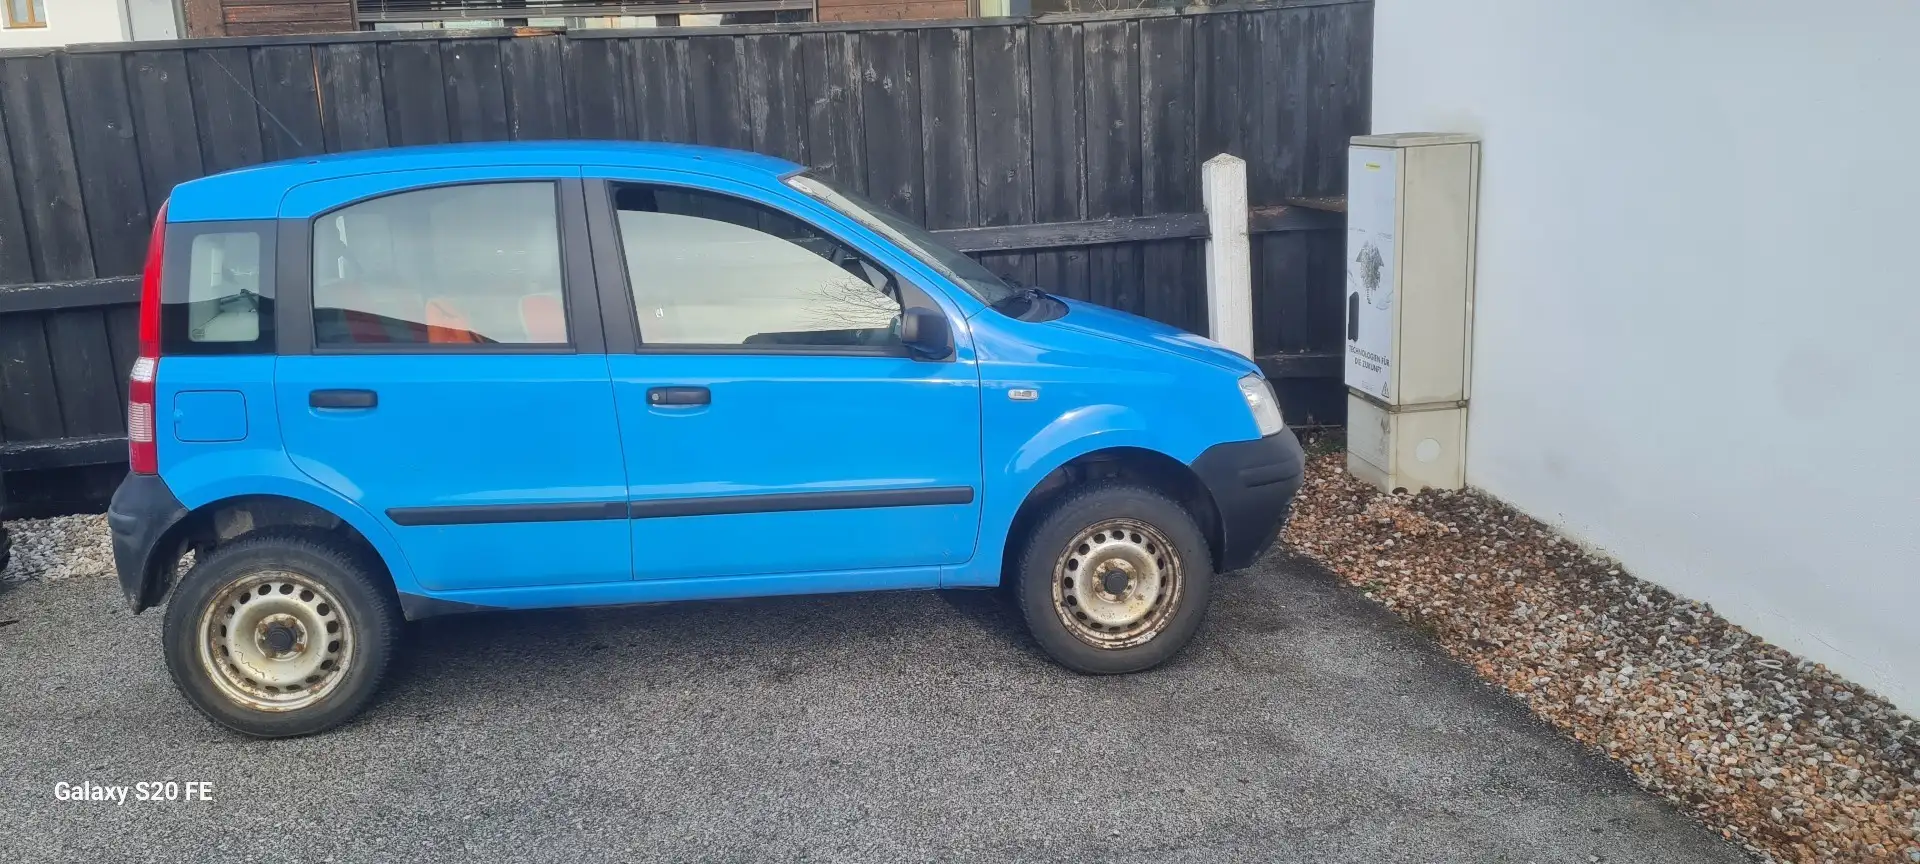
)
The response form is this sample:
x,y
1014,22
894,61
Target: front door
x,y
450,376
772,422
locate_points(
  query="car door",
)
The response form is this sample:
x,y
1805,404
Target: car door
x,y
773,424
445,369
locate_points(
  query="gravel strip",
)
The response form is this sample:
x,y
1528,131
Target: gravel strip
x,y
65,547
1774,752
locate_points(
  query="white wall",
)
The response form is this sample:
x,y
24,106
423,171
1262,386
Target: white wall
x,y
154,19
70,22
1697,331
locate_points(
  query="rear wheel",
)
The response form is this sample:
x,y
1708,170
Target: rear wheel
x,y
1115,578
280,634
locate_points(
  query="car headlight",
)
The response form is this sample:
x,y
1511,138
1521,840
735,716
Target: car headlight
x,y
1265,408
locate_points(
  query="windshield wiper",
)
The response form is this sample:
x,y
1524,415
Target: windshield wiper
x,y
1024,299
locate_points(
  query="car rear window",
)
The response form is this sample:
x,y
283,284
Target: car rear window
x,y
218,296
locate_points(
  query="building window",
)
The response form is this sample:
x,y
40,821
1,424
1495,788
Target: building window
x,y
26,13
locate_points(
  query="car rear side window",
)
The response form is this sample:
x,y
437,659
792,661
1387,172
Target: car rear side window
x,y
218,291
448,266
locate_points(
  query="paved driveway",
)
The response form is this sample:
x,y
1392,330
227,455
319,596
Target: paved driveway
x,y
1303,725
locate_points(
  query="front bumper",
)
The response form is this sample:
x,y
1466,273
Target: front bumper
x,y
142,512
1253,484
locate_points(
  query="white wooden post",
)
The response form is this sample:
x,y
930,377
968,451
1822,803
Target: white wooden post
x,y
1223,181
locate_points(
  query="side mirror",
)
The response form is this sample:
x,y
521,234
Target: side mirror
x,y
925,333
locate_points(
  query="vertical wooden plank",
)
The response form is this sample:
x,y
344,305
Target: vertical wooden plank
x,y
1111,83
283,79
29,406
111,189
535,77
414,87
597,83
350,94
221,81
1169,287
715,92
84,372
1221,82
1317,113
776,103
123,341
1170,181
44,168
1170,175
1351,112
946,127
660,81
16,260
890,109
834,139
1112,119
1281,312
476,95
1277,143
1003,138
163,121
1059,157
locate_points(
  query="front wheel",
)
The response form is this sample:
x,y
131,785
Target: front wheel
x,y
1115,578
277,635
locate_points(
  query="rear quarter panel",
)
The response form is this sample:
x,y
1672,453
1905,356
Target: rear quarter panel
x,y
204,472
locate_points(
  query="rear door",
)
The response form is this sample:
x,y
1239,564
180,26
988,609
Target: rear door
x,y
773,423
445,369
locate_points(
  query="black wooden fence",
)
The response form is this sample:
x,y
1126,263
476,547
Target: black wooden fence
x,y
1063,151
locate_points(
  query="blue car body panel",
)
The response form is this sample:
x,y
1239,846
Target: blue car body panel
x,y
202,475
469,431
949,443
1096,390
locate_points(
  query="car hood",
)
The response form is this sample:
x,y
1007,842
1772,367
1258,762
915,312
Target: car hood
x,y
1121,326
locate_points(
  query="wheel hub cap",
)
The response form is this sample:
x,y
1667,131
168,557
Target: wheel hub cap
x,y
1117,584
275,641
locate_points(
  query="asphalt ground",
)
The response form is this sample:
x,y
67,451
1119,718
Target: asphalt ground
x,y
1303,724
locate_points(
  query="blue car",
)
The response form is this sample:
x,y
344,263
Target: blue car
x,y
388,385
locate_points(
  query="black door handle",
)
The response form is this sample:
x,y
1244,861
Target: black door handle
x,y
679,396
343,398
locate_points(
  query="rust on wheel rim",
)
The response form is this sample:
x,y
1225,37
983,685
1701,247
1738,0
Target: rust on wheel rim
x,y
275,641
1117,584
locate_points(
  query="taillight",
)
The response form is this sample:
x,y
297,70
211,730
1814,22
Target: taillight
x,y
141,453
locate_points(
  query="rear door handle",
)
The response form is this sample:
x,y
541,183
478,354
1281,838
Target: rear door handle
x,y
343,399
679,396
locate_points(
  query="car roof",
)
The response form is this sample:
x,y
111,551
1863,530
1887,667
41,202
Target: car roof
x,y
255,192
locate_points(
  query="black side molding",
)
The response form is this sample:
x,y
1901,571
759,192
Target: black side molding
x,y
786,502
586,511
485,514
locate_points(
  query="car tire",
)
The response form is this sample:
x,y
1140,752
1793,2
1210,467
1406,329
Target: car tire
x,y
1114,578
281,634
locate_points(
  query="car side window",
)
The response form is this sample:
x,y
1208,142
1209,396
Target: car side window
x,y
454,265
708,269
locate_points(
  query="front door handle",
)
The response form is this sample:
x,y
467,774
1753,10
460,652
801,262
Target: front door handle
x,y
679,396
343,399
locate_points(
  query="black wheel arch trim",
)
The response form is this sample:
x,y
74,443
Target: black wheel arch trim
x,y
140,520
1253,484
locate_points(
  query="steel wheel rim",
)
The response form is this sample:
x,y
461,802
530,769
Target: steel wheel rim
x,y
275,641
1117,584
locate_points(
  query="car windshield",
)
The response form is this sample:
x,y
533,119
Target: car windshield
x,y
951,263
